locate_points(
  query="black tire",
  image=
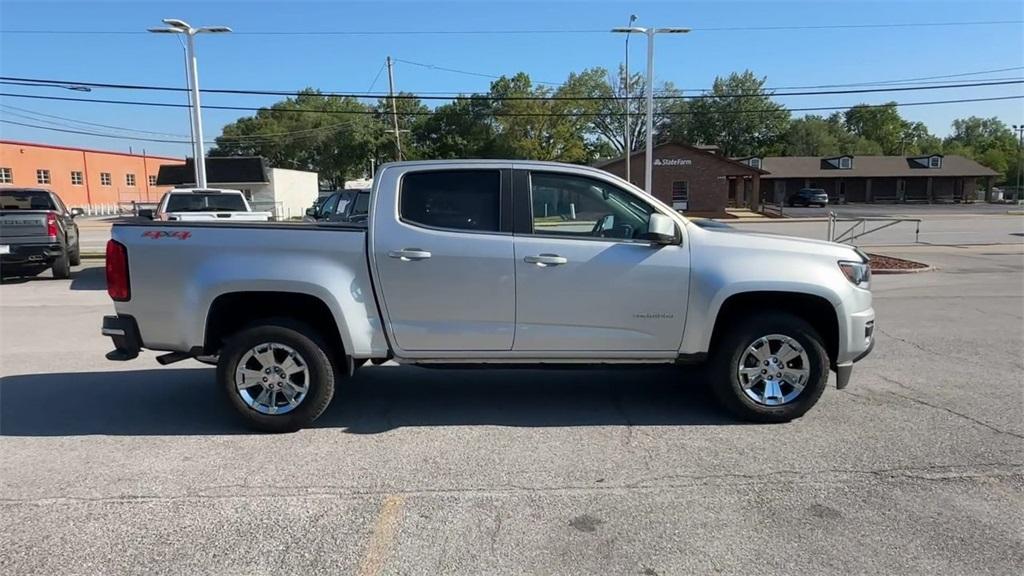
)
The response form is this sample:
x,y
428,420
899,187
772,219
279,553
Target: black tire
x,y
76,255
62,266
733,344
303,340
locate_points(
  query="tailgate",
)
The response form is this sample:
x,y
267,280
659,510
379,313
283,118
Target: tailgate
x,y
22,226
215,216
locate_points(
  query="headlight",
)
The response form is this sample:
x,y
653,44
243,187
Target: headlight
x,y
859,273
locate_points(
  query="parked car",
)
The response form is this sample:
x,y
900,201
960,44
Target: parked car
x,y
341,206
37,231
808,197
198,204
490,263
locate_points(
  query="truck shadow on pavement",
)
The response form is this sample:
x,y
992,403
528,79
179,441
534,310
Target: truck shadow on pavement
x,y
378,399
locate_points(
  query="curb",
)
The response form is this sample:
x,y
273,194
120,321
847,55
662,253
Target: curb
x,y
93,256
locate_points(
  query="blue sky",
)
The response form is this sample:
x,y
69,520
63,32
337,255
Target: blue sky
x,y
350,63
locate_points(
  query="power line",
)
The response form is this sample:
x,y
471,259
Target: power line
x,y
36,113
467,73
516,32
16,80
377,77
497,114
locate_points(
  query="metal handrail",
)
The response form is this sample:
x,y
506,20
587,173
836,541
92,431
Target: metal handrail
x,y
850,234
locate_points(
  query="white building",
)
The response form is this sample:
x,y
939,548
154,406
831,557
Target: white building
x,y
284,193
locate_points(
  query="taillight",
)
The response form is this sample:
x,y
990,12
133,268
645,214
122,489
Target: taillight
x,y
51,225
118,287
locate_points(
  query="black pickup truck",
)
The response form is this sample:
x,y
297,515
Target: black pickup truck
x,y
37,231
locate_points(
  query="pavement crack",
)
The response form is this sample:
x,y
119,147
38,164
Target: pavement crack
x,y
932,473
968,417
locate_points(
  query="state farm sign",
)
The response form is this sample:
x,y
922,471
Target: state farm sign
x,y
672,162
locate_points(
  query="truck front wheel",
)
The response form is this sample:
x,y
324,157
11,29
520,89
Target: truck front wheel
x,y
277,375
770,368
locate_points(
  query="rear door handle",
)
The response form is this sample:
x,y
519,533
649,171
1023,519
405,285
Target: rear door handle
x,y
409,254
544,260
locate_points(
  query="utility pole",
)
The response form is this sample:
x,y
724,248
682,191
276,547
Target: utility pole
x,y
629,147
394,111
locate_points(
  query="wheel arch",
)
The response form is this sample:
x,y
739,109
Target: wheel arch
x,y
229,312
813,308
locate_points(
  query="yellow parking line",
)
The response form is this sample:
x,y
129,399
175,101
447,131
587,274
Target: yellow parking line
x,y
383,536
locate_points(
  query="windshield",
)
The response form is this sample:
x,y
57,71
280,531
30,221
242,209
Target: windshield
x,y
215,202
26,200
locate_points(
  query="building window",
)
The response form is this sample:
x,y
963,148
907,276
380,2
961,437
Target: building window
x,y
935,162
6,176
754,163
105,178
76,178
845,163
152,180
42,176
129,179
680,191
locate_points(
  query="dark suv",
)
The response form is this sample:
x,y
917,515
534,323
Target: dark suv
x,y
341,206
809,197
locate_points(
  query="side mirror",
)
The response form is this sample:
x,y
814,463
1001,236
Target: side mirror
x,y
146,213
76,212
311,212
661,230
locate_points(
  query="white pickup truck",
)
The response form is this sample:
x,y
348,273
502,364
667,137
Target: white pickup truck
x,y
490,263
204,204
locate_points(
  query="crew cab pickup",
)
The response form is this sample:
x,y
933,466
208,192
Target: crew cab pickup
x,y
203,204
37,231
490,263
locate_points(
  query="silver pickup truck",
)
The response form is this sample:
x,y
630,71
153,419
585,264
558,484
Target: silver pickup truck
x,y
490,263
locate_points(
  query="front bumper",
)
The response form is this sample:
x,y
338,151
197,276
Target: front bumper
x,y
31,254
862,348
123,330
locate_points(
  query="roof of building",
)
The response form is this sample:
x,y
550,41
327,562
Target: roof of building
x,y
870,166
92,150
703,150
219,170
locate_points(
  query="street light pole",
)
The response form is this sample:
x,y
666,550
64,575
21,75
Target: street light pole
x,y
1020,160
192,67
628,148
649,156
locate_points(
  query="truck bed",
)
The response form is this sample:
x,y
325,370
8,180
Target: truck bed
x,y
185,266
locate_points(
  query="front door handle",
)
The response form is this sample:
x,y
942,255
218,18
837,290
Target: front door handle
x,y
409,254
545,260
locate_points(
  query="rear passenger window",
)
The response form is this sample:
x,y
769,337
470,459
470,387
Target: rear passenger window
x,y
455,199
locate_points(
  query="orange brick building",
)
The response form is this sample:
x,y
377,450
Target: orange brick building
x,y
83,177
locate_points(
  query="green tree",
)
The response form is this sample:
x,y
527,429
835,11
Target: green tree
x,y
738,115
463,128
310,131
988,141
884,125
411,113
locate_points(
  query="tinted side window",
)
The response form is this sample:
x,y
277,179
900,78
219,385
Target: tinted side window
x,y
362,204
457,199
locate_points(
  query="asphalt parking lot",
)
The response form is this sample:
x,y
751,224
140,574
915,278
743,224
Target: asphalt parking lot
x,y
917,468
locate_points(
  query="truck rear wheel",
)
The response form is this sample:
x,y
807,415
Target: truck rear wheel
x,y
277,375
62,266
770,368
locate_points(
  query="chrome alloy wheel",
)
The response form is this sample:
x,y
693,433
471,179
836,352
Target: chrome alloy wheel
x,y
773,370
272,378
